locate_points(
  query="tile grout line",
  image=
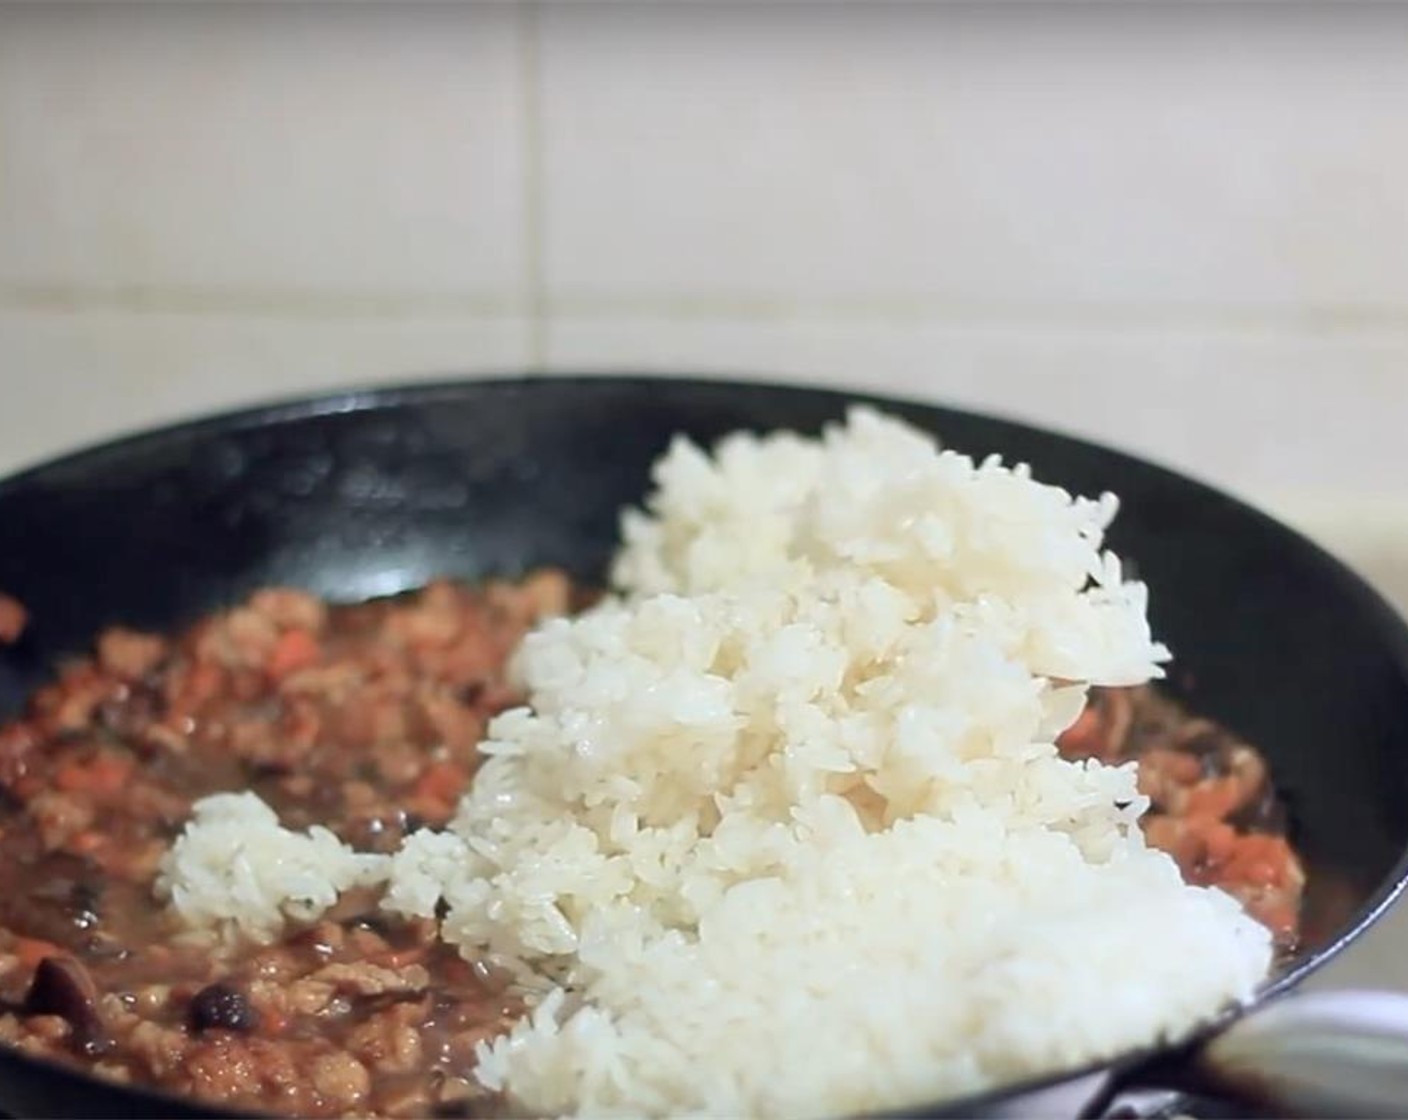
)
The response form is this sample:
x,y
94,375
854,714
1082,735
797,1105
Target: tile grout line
x,y
535,305
1314,320
530,96
260,300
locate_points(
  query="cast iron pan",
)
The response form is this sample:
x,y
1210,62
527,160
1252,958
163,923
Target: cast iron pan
x,y
367,493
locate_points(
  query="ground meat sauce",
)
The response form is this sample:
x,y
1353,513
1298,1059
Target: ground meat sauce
x,y
366,719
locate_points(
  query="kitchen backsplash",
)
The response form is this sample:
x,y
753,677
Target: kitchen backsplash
x,y
1181,231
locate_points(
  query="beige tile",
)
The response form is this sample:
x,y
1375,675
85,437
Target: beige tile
x,y
1368,534
67,379
1262,414
1237,162
284,147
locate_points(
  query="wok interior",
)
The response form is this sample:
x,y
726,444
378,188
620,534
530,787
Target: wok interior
x,y
378,493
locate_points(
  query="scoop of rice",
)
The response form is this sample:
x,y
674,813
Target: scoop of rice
x,y
235,867
784,831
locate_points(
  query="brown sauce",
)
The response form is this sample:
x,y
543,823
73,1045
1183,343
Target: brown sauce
x,y
366,719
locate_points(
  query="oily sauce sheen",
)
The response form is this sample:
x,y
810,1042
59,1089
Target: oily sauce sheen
x,y
366,719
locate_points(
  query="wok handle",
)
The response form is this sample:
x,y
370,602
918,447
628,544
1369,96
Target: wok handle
x,y
1337,1053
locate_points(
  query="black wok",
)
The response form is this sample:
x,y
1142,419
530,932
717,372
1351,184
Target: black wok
x,y
367,493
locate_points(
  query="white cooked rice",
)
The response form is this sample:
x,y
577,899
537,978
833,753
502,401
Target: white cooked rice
x,y
784,831
234,866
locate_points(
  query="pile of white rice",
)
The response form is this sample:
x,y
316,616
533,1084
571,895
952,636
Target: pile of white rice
x,y
784,831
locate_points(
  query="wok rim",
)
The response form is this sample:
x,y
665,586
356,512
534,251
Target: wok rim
x,y
1391,627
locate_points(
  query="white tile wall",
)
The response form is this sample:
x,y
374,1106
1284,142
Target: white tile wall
x,y
1174,231
1181,230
